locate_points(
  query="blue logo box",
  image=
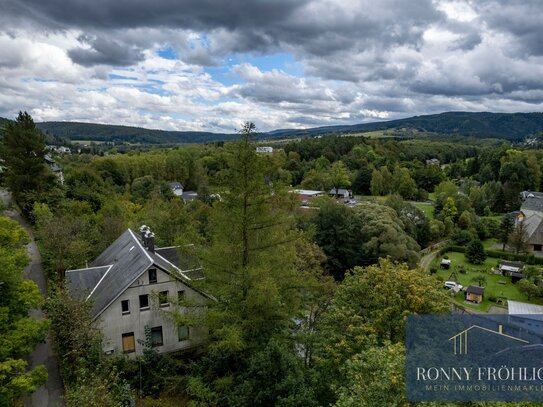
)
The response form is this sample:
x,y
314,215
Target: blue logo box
x,y
474,357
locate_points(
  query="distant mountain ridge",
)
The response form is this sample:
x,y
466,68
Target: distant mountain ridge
x,y
509,126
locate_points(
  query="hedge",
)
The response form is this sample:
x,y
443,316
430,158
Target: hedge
x,y
531,259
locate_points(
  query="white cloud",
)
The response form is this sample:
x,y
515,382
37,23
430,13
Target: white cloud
x,y
361,61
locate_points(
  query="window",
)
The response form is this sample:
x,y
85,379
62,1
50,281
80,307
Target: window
x,y
163,299
129,343
144,301
183,333
152,276
156,336
180,297
125,307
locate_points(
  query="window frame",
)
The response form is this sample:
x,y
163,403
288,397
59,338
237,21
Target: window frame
x,y
181,295
146,307
152,272
182,339
127,302
154,330
128,335
163,295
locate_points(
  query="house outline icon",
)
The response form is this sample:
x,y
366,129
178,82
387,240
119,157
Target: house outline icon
x,y
460,340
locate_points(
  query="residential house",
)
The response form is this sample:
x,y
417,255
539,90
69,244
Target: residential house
x,y
432,161
265,150
526,316
306,196
57,169
531,213
177,188
189,196
475,293
340,193
132,285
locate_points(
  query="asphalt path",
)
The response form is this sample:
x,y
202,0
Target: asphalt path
x,y
50,394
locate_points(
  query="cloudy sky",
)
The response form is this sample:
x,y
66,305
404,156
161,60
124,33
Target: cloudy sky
x,y
213,64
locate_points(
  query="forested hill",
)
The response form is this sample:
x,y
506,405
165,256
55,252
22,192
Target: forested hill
x,y
105,132
510,126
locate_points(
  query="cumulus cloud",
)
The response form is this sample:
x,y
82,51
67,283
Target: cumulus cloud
x,y
105,61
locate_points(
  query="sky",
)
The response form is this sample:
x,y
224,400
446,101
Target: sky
x,y
211,65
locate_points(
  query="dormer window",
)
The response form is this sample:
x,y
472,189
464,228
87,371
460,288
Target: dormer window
x,y
152,276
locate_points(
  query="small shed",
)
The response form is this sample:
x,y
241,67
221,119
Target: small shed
x,y
508,267
475,293
516,277
445,264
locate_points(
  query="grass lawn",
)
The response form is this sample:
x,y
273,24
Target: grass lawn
x,y
372,198
427,209
490,244
492,289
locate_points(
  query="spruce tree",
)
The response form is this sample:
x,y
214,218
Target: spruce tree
x,y
23,151
251,269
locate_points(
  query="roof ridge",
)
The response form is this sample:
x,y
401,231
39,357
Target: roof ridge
x,y
97,284
89,268
140,245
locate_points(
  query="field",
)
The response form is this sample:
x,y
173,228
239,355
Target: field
x,y
493,287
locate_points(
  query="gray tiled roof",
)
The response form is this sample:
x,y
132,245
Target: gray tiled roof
x,y
534,228
176,185
85,279
475,289
532,204
119,266
128,260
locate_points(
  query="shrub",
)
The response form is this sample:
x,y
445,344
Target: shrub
x,y
475,252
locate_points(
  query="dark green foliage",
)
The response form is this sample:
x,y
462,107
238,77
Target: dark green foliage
x,y
274,377
475,252
19,333
487,228
506,228
338,233
415,222
144,187
362,181
85,185
530,289
369,310
23,151
500,125
462,237
89,379
105,132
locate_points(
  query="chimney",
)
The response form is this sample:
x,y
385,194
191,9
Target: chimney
x,y
150,239
500,329
143,232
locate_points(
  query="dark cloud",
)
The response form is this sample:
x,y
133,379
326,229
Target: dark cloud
x,y
192,14
104,51
520,18
306,28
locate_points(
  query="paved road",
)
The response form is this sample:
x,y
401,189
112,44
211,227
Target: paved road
x,y
427,259
50,394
